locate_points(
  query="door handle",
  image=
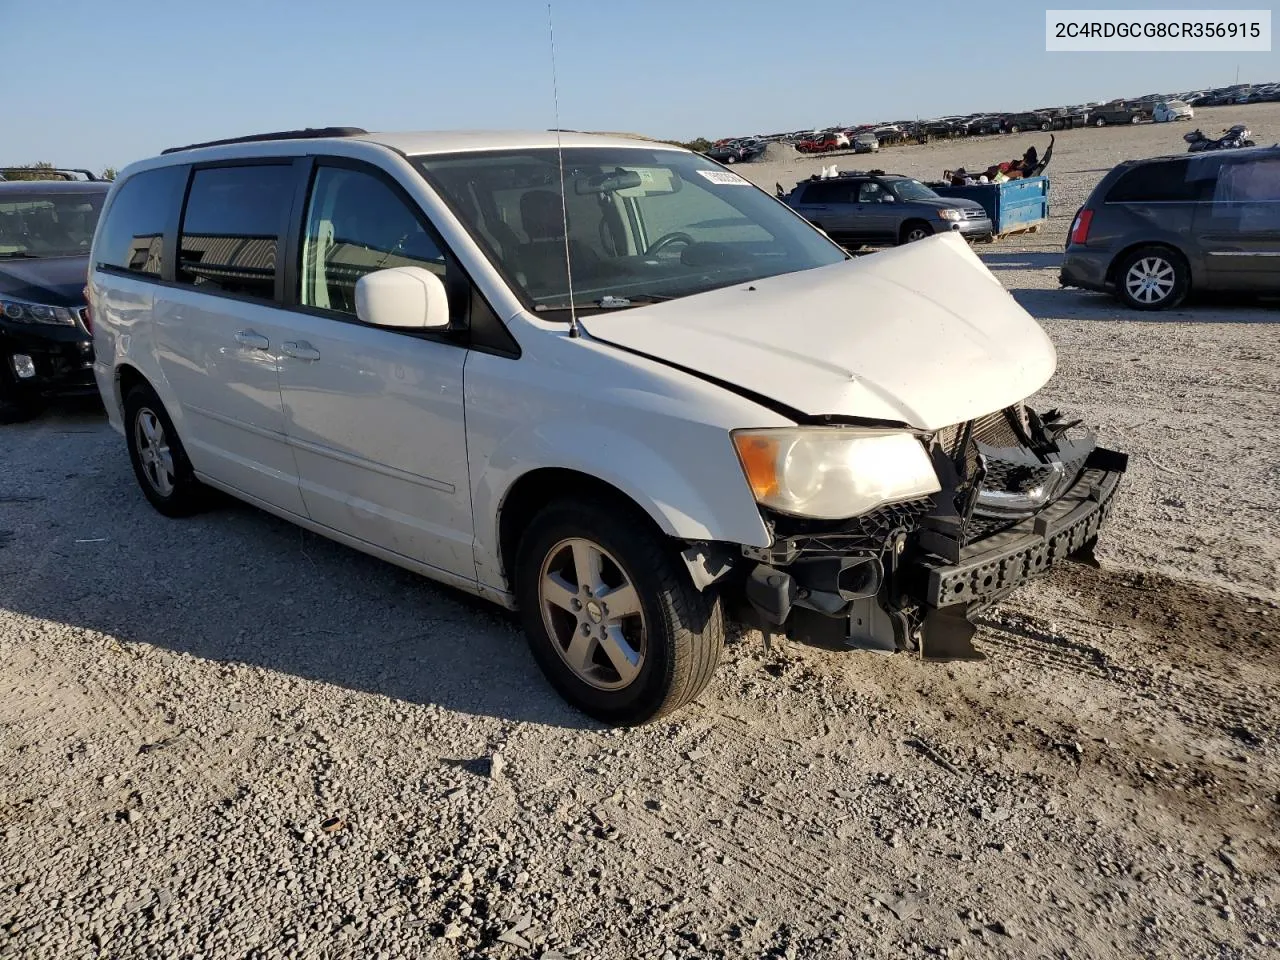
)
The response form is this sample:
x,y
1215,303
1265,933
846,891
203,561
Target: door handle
x,y
251,340
300,350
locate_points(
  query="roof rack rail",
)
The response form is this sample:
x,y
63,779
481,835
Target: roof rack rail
x,y
308,133
59,173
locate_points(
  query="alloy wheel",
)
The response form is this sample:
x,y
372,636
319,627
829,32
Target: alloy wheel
x,y
917,233
592,614
153,451
1150,280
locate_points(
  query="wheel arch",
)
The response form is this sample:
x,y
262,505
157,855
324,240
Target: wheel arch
x,y
533,491
909,223
1114,266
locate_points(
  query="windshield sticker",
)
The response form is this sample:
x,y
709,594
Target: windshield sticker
x,y
724,178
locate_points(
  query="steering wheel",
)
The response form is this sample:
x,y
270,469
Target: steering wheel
x,y
667,240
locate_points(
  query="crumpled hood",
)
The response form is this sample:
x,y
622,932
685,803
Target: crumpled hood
x,y
922,334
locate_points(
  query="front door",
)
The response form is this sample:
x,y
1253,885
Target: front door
x,y
218,330
1239,228
877,212
374,415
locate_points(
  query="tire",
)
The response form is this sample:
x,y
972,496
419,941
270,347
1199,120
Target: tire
x,y
1135,119
1013,128
914,230
156,452
731,159
1100,122
672,641
1169,278
1046,125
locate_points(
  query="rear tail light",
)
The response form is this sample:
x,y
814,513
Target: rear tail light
x,y
86,312
1080,227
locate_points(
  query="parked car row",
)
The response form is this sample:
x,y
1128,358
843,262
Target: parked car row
x,y
1158,108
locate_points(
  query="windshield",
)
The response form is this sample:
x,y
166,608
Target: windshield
x,y
47,224
643,224
911,190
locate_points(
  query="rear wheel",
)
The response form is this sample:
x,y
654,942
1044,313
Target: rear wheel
x,y
1100,122
611,615
1152,278
1013,128
1046,125
1135,119
159,461
915,230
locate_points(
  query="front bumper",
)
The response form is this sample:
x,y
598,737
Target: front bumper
x,y
63,366
970,228
989,569
911,576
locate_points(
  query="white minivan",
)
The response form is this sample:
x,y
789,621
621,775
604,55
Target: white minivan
x,y
602,381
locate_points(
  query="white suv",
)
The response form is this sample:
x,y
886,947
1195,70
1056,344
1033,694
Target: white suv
x,y
605,382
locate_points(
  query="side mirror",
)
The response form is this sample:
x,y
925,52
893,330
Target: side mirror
x,y
409,298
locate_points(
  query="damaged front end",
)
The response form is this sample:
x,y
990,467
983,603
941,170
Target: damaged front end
x,y
1021,491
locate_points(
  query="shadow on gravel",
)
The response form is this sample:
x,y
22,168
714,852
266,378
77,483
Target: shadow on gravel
x,y
1021,261
1073,304
82,547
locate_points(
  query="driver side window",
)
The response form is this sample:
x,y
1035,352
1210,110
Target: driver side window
x,y
357,224
871,192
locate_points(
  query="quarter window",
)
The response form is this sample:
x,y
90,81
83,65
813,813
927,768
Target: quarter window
x,y
231,229
356,224
1170,181
132,236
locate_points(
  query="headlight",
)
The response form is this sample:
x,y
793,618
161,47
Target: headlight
x,y
950,214
24,311
833,472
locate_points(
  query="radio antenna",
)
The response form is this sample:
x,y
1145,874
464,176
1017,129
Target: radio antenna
x,y
564,203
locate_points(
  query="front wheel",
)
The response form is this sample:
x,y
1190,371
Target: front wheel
x,y
1100,122
611,615
731,159
1152,278
916,230
1135,119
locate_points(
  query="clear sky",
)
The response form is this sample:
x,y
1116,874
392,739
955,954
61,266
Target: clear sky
x,y
105,83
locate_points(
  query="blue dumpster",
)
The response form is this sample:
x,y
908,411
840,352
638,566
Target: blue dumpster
x,y
1015,206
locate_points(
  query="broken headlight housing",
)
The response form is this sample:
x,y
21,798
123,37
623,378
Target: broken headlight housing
x,y
829,473
24,311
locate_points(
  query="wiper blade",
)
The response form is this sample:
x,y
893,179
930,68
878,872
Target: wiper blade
x,y
609,302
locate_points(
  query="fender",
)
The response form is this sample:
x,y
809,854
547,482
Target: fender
x,y
673,494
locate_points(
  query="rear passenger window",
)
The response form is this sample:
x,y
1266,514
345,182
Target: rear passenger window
x,y
1169,182
828,192
132,235
356,224
231,228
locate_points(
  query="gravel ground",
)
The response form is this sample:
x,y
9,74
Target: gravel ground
x,y
225,737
